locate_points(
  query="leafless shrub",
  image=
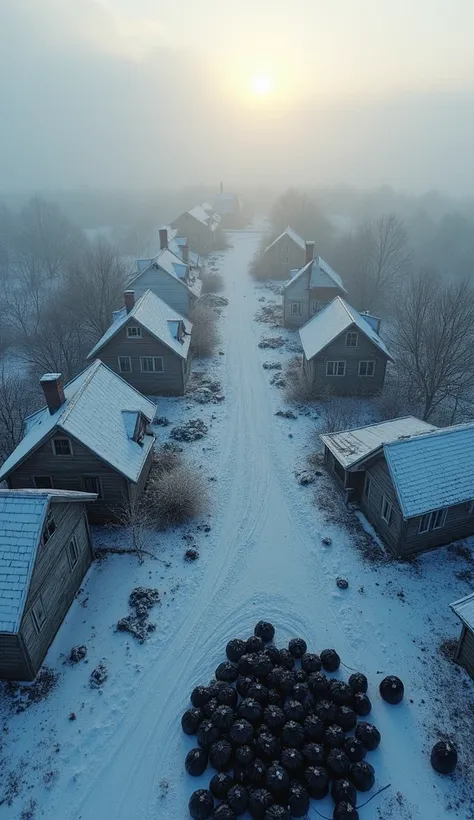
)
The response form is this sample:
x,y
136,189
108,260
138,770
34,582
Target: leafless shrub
x,y
205,337
18,397
339,414
397,398
177,496
212,282
298,389
164,461
134,513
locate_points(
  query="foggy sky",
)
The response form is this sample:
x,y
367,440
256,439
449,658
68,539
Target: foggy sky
x,y
147,93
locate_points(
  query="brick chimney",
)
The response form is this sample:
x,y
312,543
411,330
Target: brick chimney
x,y
163,238
52,384
185,250
129,300
309,252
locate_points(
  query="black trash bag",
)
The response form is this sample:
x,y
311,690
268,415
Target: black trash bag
x,y
273,677
286,659
344,791
241,732
238,798
297,647
284,680
273,653
334,736
391,689
200,695
294,710
256,770
210,707
223,717
314,753
201,804
346,717
226,694
444,757
207,733
274,717
338,763
245,665
341,693
275,698
368,734
330,660
277,779
265,631
362,775
362,705
263,729
292,734
235,649
223,812
243,685
244,754
254,644
292,760
313,728
262,665
220,755
196,762
345,810
268,747
300,691
259,801
298,800
258,692
358,682
326,710
220,785
191,720
250,709
310,662
300,676
318,685
240,772
277,812
354,749
317,781
227,671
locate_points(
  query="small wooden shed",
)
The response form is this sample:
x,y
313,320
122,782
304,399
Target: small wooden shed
x,y
464,609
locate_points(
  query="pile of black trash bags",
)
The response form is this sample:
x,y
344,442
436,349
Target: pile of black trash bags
x,y
279,732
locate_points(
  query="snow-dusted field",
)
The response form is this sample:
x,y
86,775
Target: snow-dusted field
x,y
123,755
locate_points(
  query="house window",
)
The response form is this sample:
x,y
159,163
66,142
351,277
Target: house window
x,y
125,364
351,338
335,368
39,614
432,521
92,484
43,482
134,332
72,553
151,364
49,527
62,447
386,510
316,306
367,487
285,249
367,368
296,308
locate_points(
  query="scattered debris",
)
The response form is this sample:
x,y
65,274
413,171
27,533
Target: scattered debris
x,y
162,421
141,599
277,380
286,414
191,430
77,654
72,716
270,314
272,365
99,675
171,447
304,478
294,345
24,695
272,342
326,541
213,300
204,390
342,583
448,648
192,554
29,811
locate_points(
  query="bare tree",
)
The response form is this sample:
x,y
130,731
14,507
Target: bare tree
x,y
433,340
18,397
204,336
45,240
6,242
135,514
297,209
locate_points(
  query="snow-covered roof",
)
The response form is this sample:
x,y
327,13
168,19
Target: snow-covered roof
x,y
204,213
155,316
92,414
433,470
169,262
322,275
330,322
352,446
176,245
22,516
464,609
295,237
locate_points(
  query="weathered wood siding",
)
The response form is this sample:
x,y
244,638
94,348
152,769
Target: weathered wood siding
x,y
200,238
350,481
54,579
382,485
459,524
465,652
135,490
67,473
171,382
285,255
351,383
298,291
14,664
162,284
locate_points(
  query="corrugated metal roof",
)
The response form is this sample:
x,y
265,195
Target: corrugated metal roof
x,y
330,322
295,237
351,446
464,609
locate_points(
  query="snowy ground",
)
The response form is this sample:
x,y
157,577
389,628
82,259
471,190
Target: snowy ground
x,y
123,756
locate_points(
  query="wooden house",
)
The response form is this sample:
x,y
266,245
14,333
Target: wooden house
x,y
309,289
201,227
92,436
343,352
412,481
286,253
229,207
147,344
464,609
45,552
169,276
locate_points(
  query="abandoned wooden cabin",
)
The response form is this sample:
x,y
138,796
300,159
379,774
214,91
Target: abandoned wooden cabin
x,y
309,289
412,481
45,552
201,226
464,609
93,436
286,253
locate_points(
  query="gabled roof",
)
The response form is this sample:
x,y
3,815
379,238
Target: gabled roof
x,y
434,470
171,264
353,446
204,213
22,516
322,275
330,322
156,317
464,609
291,234
92,414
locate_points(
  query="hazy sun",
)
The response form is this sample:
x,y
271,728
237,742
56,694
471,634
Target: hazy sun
x,y
261,84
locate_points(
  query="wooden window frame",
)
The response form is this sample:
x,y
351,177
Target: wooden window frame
x,y
154,359
129,359
100,492
431,517
62,438
72,557
137,335
37,477
367,487
37,621
336,363
296,304
386,510
49,527
319,306
367,362
349,334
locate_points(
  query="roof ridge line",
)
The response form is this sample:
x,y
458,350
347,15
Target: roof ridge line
x,y
452,428
73,401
